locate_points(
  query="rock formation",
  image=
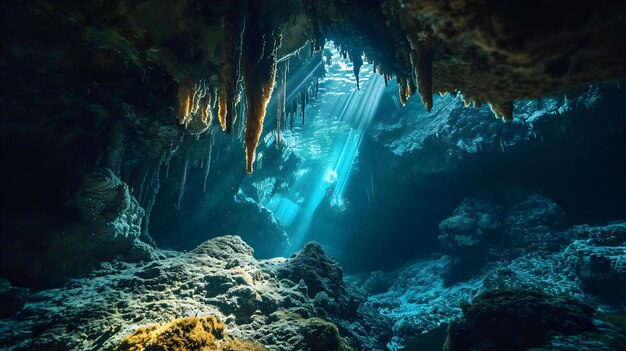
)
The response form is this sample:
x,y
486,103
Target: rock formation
x,y
601,260
521,320
105,225
282,304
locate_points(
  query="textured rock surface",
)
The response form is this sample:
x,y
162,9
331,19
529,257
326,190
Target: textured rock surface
x,y
105,224
519,320
185,334
421,299
601,264
256,299
582,262
108,212
479,231
454,132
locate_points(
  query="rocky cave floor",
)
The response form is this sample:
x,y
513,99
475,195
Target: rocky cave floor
x,y
538,285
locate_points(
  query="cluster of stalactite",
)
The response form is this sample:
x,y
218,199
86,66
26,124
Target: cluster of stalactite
x,y
234,25
195,160
413,73
249,66
146,176
420,78
196,102
250,71
291,105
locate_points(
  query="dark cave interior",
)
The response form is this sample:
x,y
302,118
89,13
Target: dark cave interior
x,y
313,175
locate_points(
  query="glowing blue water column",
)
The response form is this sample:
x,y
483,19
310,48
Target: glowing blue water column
x,y
328,143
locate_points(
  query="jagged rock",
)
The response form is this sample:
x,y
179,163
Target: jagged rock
x,y
378,282
221,278
601,260
319,272
421,298
481,231
293,332
321,279
108,212
474,224
105,224
535,225
520,320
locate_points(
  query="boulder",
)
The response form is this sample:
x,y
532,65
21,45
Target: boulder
x,y
600,259
516,320
255,300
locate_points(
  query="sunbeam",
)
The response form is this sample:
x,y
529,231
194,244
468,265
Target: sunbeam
x,y
329,146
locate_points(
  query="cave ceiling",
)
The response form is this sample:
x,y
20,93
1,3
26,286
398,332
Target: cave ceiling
x,y
215,56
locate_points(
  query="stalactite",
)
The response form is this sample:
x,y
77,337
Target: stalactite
x,y
281,97
237,16
240,122
466,101
143,175
194,106
207,115
502,110
222,100
184,102
115,148
154,186
422,61
403,90
183,180
259,78
210,141
234,24
425,77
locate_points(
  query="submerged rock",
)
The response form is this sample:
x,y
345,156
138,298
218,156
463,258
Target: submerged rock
x,y
517,320
185,334
601,260
519,248
284,304
104,223
109,216
480,231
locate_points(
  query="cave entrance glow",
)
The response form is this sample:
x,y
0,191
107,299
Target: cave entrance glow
x,y
328,142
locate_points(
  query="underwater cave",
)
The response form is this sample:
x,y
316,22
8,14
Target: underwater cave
x,y
313,175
